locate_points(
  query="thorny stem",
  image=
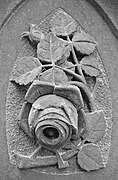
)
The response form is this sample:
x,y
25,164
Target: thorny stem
x,y
79,66
76,61
78,77
75,65
81,144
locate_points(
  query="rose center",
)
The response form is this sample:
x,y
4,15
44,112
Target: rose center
x,y
51,133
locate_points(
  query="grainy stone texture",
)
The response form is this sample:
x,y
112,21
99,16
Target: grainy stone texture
x,y
34,12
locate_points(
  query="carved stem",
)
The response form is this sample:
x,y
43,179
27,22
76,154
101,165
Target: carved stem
x,y
78,65
47,65
81,144
34,154
76,76
24,162
61,162
76,61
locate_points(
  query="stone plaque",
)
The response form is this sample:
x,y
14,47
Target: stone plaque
x,y
59,110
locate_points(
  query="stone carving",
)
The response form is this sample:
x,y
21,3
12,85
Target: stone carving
x,y
58,102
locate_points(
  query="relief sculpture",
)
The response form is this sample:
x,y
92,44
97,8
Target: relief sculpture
x,y
59,111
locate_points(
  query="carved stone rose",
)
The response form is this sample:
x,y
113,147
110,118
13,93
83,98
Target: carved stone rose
x,y
61,104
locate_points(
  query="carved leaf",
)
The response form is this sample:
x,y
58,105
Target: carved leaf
x,y
24,65
37,89
34,34
90,66
63,24
83,42
64,58
55,76
51,49
24,162
95,126
89,157
73,94
68,65
28,77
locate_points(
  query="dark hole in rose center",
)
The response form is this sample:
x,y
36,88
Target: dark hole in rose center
x,y
51,133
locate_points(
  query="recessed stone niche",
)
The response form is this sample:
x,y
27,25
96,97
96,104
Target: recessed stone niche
x,y
59,110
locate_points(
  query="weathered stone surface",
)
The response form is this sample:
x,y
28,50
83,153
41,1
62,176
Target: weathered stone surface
x,y
55,125
10,39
